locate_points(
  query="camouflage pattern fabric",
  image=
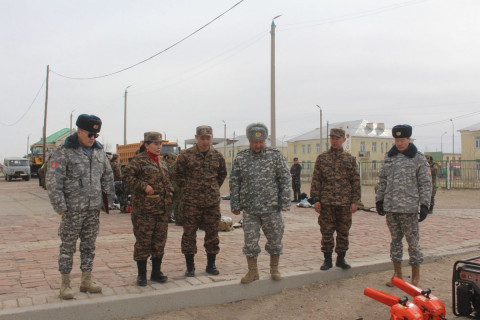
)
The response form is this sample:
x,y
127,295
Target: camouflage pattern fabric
x,y
434,171
335,219
150,232
295,172
122,192
200,176
175,209
335,180
260,182
74,225
272,225
117,173
208,219
400,225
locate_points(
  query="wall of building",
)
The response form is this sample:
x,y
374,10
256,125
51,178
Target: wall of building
x,y
470,145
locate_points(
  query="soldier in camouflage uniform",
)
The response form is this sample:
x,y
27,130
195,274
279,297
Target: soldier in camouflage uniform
x,y
260,187
295,172
199,173
146,175
404,185
78,172
434,172
335,190
175,208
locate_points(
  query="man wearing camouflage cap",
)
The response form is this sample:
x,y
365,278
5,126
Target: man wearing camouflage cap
x,y
146,175
199,173
335,190
78,172
260,187
404,189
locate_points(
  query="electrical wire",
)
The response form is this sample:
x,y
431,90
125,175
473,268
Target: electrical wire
x,y
28,109
155,55
446,120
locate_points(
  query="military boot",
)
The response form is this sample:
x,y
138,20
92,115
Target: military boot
x,y
142,273
397,272
211,268
415,275
66,291
190,262
276,275
341,263
327,263
430,209
87,285
157,275
252,274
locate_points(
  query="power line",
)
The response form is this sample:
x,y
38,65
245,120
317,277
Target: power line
x,y
12,124
446,120
155,55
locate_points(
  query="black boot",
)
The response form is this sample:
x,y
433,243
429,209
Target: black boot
x,y
156,274
327,263
341,263
211,268
142,273
190,261
430,210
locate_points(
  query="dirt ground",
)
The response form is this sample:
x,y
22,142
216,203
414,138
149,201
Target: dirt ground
x,y
341,299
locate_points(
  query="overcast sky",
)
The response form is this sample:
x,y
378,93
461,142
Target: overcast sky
x,y
385,61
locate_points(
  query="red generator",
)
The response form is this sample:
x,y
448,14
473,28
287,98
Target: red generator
x,y
466,288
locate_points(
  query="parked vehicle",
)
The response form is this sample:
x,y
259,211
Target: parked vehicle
x,y
16,168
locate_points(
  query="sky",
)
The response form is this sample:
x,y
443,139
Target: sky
x,y
387,61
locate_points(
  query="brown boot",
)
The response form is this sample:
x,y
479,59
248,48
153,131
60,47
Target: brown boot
x,y
274,259
252,274
66,291
397,267
415,275
87,285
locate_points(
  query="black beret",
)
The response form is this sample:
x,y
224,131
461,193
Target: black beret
x,y
89,123
402,131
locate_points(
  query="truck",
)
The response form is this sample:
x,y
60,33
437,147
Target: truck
x,y
36,158
16,168
128,151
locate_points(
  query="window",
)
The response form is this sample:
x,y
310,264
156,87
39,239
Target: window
x,y
386,146
374,164
477,142
309,148
318,147
229,153
374,147
362,146
295,149
303,148
381,147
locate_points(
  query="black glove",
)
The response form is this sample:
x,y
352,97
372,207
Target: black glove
x,y
423,212
379,206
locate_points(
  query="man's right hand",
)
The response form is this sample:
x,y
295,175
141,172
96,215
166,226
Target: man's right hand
x,y
379,206
236,212
318,207
62,213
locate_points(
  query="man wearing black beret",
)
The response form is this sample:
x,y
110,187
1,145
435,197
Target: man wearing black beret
x,y
78,172
404,190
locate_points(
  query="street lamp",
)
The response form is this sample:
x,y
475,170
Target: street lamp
x,y
441,142
321,134
224,139
71,120
164,135
273,141
125,117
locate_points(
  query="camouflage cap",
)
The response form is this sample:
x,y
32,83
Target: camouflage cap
x,y
152,136
89,122
337,132
402,131
257,131
204,131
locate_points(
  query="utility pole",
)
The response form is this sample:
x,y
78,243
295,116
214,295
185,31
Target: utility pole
x,y
224,139
328,146
273,139
45,118
125,117
321,128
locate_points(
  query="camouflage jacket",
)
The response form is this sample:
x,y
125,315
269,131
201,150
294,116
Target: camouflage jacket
x,y
199,176
260,182
117,173
404,181
74,181
295,171
141,172
335,180
434,171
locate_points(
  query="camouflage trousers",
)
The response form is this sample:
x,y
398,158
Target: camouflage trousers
x,y
122,192
150,232
272,226
296,185
74,225
335,219
432,199
207,218
175,209
404,224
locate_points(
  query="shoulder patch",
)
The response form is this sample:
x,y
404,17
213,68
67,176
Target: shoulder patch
x,y
53,164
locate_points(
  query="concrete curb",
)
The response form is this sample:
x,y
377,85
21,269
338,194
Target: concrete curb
x,y
135,305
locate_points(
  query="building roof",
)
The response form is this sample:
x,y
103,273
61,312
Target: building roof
x,y
473,127
355,128
56,136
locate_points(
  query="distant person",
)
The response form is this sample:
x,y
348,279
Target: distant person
x,y
336,191
404,186
295,172
121,191
199,173
78,173
175,208
146,175
260,187
434,172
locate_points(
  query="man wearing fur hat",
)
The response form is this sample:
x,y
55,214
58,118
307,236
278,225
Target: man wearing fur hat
x,y
78,172
404,187
260,187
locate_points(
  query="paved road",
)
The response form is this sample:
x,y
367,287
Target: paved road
x,y
29,249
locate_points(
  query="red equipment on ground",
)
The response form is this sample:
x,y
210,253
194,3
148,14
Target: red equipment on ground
x,y
400,309
431,306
